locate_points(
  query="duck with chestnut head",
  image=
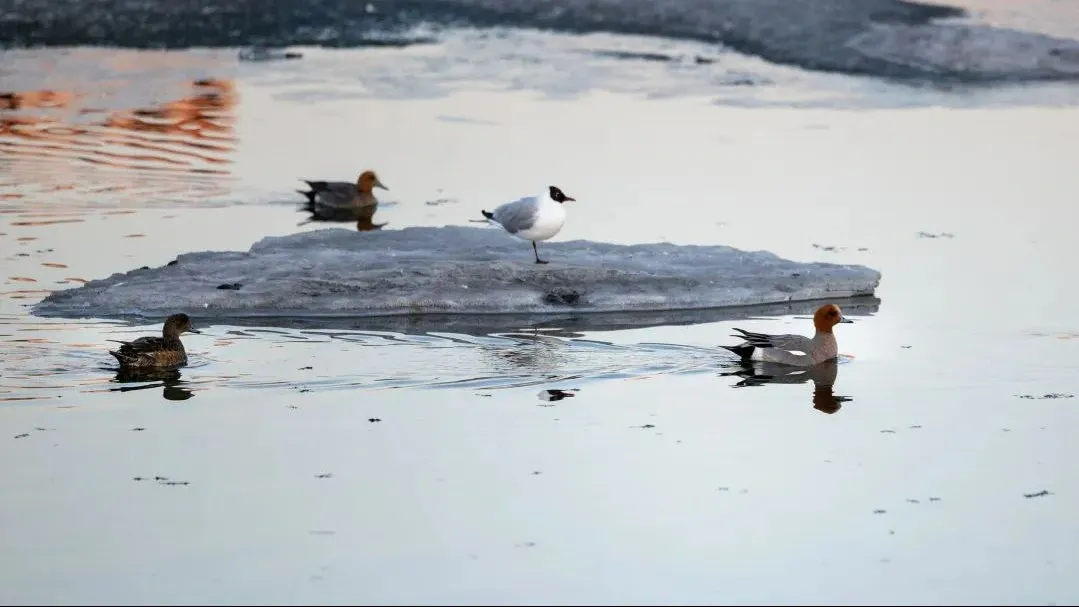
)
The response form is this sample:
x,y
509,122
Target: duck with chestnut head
x,y
343,200
797,350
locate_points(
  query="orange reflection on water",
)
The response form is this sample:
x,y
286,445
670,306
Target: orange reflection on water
x,y
176,149
26,292
201,122
36,99
45,222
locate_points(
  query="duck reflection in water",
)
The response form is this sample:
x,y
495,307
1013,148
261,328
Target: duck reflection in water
x,y
823,375
363,223
168,379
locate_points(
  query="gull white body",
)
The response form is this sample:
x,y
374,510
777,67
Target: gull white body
x,y
534,218
550,216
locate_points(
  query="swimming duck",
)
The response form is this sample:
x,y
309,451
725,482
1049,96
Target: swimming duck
x,y
784,348
532,218
156,352
343,201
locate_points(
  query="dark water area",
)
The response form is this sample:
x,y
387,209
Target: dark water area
x,y
883,38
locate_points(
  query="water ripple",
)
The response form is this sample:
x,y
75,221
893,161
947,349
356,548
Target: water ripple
x,y
99,142
61,357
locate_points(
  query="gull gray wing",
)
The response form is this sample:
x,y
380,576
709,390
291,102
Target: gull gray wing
x,y
799,343
517,215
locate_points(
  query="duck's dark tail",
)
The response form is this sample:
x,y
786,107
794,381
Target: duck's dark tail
x,y
744,351
760,340
119,358
488,214
310,196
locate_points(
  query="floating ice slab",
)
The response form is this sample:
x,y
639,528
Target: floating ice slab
x,y
423,271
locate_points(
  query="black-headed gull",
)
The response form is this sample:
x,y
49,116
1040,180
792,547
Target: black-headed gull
x,y
782,348
533,218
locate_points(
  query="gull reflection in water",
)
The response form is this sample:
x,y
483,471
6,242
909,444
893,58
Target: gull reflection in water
x,y
537,354
166,379
823,376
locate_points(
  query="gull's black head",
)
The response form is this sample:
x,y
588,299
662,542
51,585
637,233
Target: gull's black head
x,y
558,196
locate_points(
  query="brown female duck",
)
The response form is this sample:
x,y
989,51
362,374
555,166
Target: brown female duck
x,y
156,352
343,201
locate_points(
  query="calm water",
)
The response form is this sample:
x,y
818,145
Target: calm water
x,y
316,463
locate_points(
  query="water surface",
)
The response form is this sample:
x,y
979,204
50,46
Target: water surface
x,y
305,462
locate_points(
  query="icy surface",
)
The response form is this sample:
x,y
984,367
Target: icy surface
x,y
453,270
891,38
978,51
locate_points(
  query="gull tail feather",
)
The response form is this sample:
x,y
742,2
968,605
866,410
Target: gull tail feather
x,y
489,216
